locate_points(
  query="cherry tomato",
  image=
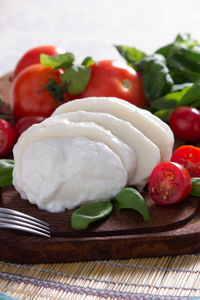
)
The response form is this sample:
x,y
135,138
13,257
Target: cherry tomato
x,y
33,57
189,157
7,137
26,122
185,123
169,183
111,78
28,96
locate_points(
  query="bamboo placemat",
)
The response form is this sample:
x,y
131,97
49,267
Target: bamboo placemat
x,y
165,278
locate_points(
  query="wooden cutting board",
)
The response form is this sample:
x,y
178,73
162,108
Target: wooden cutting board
x,y
171,230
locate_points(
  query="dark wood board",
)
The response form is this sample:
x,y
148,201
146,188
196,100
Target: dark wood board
x,y
172,230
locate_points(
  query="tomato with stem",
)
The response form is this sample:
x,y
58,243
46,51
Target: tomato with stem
x,y
37,90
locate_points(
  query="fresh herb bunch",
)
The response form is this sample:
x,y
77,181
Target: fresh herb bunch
x,y
171,75
75,77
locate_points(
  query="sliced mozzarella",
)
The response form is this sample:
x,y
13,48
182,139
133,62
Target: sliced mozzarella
x,y
147,153
121,109
62,128
157,120
64,173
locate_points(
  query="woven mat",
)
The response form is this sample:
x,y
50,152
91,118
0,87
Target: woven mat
x,y
167,278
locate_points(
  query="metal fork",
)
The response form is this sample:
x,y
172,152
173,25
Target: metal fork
x,y
13,219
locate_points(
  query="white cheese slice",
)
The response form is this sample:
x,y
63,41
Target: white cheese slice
x,y
121,109
157,120
64,173
147,153
62,128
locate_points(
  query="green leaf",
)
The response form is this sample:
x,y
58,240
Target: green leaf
x,y
63,61
155,75
181,39
184,63
131,198
181,86
131,54
195,187
83,216
185,38
76,78
88,61
6,169
170,100
164,114
165,50
191,96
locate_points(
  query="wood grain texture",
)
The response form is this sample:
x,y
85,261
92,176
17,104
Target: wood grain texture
x,y
171,230
5,87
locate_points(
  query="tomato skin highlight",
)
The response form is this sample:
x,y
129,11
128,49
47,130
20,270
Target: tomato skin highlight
x,y
32,57
111,78
7,137
26,122
189,157
169,183
185,123
27,94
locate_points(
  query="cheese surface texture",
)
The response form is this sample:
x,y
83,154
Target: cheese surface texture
x,y
64,173
151,126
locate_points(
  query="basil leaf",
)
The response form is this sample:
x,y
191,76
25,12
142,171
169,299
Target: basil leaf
x,y
155,75
131,198
181,38
77,78
181,86
186,39
6,169
164,114
165,50
195,187
191,96
170,100
83,216
88,61
131,54
184,63
63,61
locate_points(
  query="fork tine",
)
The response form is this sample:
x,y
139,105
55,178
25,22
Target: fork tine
x,y
23,223
8,216
20,214
22,228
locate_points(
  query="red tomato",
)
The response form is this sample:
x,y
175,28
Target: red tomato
x,y
189,157
111,78
32,57
169,183
28,96
26,122
7,137
185,123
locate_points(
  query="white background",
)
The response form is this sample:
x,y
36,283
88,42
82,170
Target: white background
x,y
92,27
